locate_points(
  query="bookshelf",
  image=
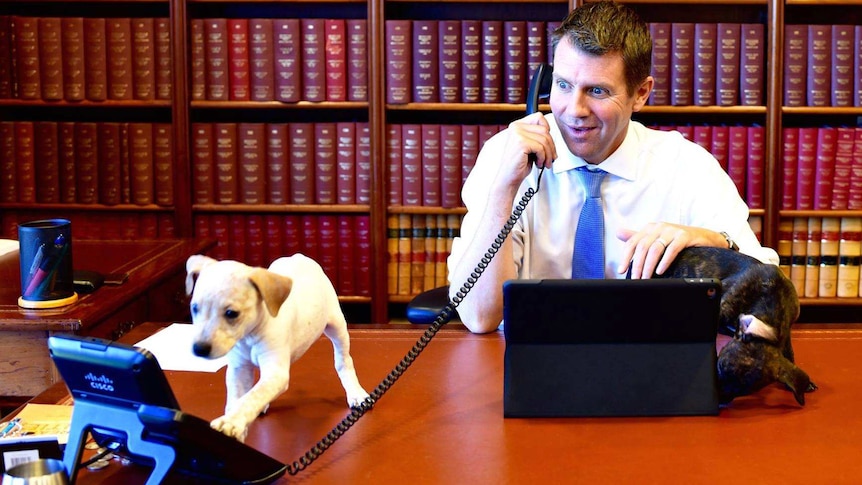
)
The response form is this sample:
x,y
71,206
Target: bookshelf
x,y
279,220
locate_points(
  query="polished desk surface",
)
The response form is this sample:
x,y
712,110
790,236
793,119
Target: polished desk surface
x,y
442,422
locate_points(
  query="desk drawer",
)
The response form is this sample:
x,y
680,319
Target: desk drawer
x,y
26,368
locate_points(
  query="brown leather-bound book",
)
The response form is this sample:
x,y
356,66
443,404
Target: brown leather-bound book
x,y
471,61
798,255
431,165
829,252
325,145
125,165
255,240
327,227
755,168
109,163
309,236
226,156
752,64
441,253
661,59
197,60
274,234
217,62
417,254
843,37
66,161
682,64
824,167
805,166
8,176
795,64
399,51
277,177
449,66
404,254
393,163
469,149
141,163
819,72
287,58
363,163
118,33
492,61
6,57
728,58
813,254
784,246
362,247
704,63
203,163
164,71
357,59
411,164
392,240
239,69
335,59
347,250
789,162
425,62
537,46
450,166
313,70
144,58
72,42
25,31
737,157
148,225
251,162
301,156
849,256
87,163
163,164
430,252
843,167
515,77
261,59
237,237
47,171
345,163
293,235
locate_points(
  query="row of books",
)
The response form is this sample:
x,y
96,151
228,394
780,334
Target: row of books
x,y
707,64
340,243
418,246
289,60
821,168
822,255
75,59
86,163
822,65
123,226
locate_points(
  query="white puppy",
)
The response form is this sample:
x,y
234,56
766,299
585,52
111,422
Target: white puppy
x,y
264,318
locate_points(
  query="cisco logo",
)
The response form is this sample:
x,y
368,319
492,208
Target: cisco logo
x,y
101,383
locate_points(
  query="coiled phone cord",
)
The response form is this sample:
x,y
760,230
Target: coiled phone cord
x,y
443,317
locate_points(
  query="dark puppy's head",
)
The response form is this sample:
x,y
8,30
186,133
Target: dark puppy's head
x,y
750,363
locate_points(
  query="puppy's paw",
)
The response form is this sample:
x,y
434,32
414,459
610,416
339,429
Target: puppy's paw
x,y
229,427
356,398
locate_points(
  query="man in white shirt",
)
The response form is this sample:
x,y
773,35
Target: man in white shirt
x,y
662,193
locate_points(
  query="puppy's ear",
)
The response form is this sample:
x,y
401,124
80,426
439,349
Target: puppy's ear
x,y
194,265
273,288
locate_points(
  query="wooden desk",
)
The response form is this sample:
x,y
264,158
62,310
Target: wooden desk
x,y
442,423
153,291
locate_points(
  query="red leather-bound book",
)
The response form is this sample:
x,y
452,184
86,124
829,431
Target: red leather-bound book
x,y
805,167
335,59
661,60
163,164
219,229
720,144
141,163
411,164
789,164
203,163
705,38
255,240
72,43
345,285
26,48
167,226
469,149
6,58
125,165
216,55
86,163
277,175
325,145
449,47
261,48
857,65
752,64
202,226
345,163
425,59
728,59
8,175
450,166
393,163
198,60
537,46
357,59
301,156
854,201
287,56
843,37
795,64
238,65
431,165
293,234
118,33
226,156
110,173
310,236
66,161
843,166
363,163
399,51
46,162
164,72
682,64
143,58
237,239
702,135
737,160
471,61
274,234
515,78
824,168
363,252
313,42
756,166
492,61
95,59
251,162
819,72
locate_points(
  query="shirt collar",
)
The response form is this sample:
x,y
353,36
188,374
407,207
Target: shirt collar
x,y
621,163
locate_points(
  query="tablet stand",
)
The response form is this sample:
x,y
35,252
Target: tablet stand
x,y
89,415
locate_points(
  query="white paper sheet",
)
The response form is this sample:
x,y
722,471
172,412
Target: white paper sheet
x,y
172,347
8,245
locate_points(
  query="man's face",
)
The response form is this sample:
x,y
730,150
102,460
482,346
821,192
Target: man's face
x,y
590,101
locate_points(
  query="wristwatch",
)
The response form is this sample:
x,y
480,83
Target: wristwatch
x,y
730,243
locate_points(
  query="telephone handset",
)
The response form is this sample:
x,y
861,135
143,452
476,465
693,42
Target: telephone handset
x,y
540,87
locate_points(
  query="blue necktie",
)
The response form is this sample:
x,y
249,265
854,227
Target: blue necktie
x,y
588,257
